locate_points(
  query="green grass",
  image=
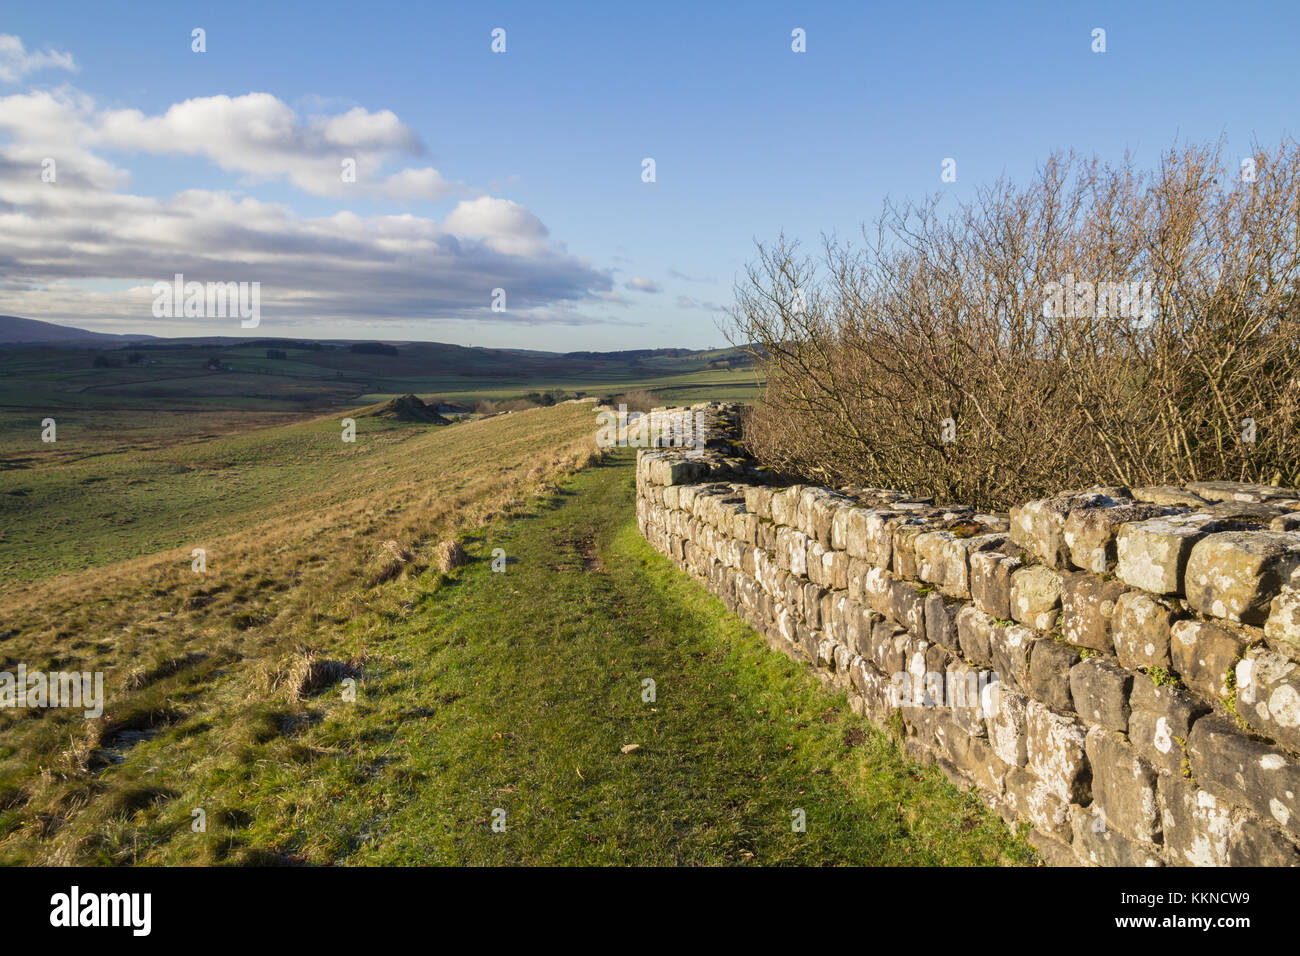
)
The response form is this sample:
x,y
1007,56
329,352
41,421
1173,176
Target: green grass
x,y
517,691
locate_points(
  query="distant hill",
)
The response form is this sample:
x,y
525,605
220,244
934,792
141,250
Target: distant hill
x,y
412,357
16,331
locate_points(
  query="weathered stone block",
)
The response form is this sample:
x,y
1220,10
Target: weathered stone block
x,y
1205,654
1152,554
931,557
986,769
1039,526
811,604
975,635
1005,720
1169,495
1289,521
1196,825
857,626
1238,491
1056,753
1268,695
908,607
1283,625
758,500
1160,719
904,549
816,568
888,647
940,620
1012,646
1038,802
1251,843
1201,830
990,582
965,686
1087,607
879,544
1036,596
1123,786
856,583
1142,627
1102,845
785,506
840,527
1100,691
1236,574
680,471
835,569
1245,772
1054,850
879,588
955,552
1049,674
1090,532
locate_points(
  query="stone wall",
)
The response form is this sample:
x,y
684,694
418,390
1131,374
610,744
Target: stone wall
x,y
1115,667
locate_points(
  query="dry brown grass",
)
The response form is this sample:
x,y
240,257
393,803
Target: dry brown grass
x,y
450,555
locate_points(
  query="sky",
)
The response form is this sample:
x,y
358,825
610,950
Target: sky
x,y
523,170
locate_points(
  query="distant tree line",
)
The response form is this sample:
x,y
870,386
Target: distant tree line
x,y
373,348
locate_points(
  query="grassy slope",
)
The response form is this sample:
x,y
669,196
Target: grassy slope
x,y
517,691
288,570
86,512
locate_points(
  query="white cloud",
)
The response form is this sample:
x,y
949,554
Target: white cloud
x,y
82,246
641,284
686,302
504,225
685,278
256,134
16,62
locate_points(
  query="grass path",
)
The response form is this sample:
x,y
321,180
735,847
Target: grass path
x,y
517,691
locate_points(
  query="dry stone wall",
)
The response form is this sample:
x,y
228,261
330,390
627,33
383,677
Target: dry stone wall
x,y
1115,667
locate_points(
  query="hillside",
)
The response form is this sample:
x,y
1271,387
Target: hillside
x,y
19,331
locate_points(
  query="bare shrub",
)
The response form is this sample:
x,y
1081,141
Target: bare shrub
x,y
1007,349
638,400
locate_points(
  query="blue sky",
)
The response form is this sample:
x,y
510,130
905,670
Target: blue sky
x,y
544,144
